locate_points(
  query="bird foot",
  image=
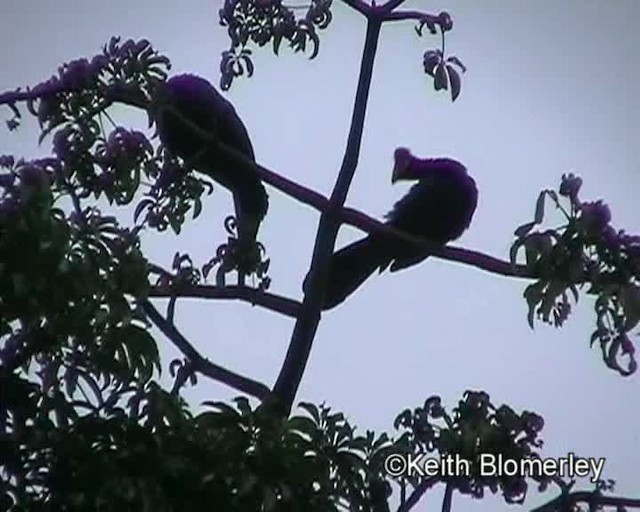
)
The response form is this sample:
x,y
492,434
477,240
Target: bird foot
x,y
247,259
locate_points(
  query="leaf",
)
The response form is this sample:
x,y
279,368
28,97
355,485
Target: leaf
x,y
441,79
533,295
197,207
430,60
224,409
539,215
553,291
313,37
249,64
456,83
312,410
380,442
457,62
277,40
242,403
574,291
142,205
175,224
303,425
134,184
630,299
513,252
537,248
523,230
141,348
531,253
71,381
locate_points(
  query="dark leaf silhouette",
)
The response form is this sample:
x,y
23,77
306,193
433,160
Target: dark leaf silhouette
x,y
456,83
441,80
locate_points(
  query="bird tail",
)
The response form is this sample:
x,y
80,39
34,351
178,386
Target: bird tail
x,y
350,267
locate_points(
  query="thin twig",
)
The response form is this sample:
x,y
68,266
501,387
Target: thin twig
x,y
199,363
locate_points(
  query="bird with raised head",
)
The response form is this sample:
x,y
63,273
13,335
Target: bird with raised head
x,y
438,207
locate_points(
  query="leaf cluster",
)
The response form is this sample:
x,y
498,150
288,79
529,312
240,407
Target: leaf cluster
x,y
586,251
264,21
474,427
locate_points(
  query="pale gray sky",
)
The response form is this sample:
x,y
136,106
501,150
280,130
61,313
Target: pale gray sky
x,y
551,88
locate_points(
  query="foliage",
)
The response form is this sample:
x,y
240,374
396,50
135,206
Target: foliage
x,y
586,250
153,454
85,424
263,21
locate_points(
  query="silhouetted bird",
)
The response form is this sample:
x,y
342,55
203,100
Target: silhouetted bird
x,y
197,100
439,207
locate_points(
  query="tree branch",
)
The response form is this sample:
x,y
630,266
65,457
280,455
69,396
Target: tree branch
x,y
566,501
418,493
358,5
370,225
199,363
477,259
410,15
128,97
254,296
304,331
306,196
364,222
291,188
448,498
392,4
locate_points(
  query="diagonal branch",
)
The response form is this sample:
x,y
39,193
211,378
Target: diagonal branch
x,y
304,331
476,259
303,194
368,224
360,220
199,363
277,303
418,493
